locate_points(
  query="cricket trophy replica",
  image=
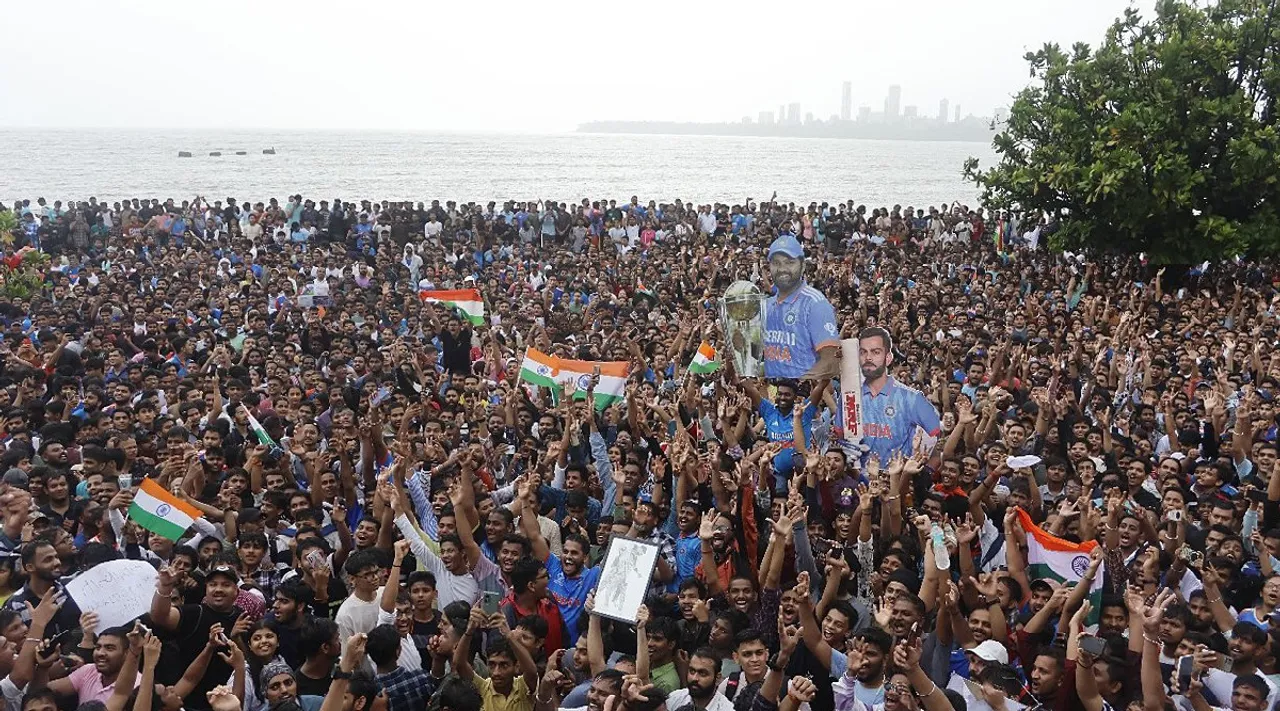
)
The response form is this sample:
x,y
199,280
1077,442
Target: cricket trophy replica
x,y
742,317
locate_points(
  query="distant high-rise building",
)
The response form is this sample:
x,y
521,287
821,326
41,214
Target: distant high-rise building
x,y
942,110
957,113
766,118
793,113
747,119
864,113
782,113
846,101
909,112
892,102
808,117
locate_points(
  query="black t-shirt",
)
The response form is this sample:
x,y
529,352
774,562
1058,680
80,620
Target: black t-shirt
x,y
456,351
422,634
313,687
192,635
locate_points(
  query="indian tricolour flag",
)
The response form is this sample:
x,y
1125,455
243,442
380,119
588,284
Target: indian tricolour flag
x,y
259,432
704,361
160,512
468,301
551,372
1052,558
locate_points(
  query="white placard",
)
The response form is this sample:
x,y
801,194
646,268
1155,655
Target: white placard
x,y
628,568
118,590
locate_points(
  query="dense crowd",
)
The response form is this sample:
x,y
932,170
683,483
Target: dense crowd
x,y
415,526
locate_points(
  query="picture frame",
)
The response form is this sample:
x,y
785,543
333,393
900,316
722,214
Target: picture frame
x,y
624,578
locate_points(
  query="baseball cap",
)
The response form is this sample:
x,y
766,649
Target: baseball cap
x,y
991,651
788,245
235,577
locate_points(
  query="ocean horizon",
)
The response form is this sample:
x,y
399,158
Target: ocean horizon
x,y
113,164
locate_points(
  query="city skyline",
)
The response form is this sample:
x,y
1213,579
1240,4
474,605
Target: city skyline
x,y
894,111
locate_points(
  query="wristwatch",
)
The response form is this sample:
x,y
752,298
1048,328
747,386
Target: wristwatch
x,y
339,674
774,663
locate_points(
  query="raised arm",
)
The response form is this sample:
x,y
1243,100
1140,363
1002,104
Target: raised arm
x,y
462,651
163,614
529,523
352,656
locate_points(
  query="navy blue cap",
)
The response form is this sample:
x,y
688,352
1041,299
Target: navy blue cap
x,y
788,245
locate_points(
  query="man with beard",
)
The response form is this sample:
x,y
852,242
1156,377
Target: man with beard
x,y
891,411
700,688
801,338
190,623
41,564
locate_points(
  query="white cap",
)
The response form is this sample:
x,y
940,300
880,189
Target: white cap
x,y
992,651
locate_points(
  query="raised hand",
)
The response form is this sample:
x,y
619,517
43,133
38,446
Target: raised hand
x,y
707,529
802,689
43,613
789,636
221,698
1154,613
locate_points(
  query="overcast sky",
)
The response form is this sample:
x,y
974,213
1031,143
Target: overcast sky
x,y
500,65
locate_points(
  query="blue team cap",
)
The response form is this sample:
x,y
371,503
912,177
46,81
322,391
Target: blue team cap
x,y
788,245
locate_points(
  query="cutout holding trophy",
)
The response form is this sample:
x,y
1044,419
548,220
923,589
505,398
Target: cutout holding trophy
x,y
793,334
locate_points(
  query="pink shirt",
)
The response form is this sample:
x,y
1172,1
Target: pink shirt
x,y
88,684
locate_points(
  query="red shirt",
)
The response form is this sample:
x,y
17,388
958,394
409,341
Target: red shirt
x,y
547,610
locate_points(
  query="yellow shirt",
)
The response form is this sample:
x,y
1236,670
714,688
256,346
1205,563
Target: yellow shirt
x,y
518,700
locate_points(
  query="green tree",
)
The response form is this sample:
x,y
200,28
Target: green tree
x,y
1163,140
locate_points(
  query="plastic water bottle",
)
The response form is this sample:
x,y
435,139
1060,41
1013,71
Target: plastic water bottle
x,y
941,557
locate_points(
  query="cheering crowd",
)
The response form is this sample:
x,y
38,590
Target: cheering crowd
x,y
1063,498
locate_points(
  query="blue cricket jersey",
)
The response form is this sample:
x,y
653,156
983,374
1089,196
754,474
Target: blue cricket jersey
x,y
781,428
889,420
795,328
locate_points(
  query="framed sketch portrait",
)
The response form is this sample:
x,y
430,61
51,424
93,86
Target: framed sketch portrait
x,y
624,579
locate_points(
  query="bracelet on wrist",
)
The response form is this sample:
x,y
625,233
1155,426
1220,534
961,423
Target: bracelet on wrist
x,y
1148,640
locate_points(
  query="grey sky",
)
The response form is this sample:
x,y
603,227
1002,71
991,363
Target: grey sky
x,y
511,66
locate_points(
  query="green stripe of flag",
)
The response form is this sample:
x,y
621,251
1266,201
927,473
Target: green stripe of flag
x,y
155,524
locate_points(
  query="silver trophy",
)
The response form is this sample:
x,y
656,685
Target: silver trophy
x,y
742,317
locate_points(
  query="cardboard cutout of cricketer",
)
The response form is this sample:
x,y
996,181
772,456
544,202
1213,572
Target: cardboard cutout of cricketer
x,y
801,338
888,412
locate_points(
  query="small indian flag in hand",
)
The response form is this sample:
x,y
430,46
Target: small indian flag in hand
x,y
704,361
160,512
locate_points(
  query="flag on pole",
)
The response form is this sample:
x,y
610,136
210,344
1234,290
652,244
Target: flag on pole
x,y
468,301
258,431
551,372
704,361
160,512
1052,558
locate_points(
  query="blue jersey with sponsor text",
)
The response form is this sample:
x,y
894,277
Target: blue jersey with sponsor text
x,y
795,328
889,420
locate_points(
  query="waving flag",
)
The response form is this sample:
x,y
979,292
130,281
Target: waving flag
x,y
704,361
551,372
1052,558
468,301
160,512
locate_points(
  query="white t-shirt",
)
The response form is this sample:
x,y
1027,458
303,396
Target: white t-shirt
x,y
356,616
